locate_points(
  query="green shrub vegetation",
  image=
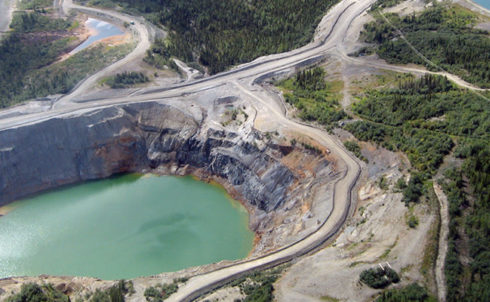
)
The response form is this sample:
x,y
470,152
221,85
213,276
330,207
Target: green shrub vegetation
x,y
30,22
443,34
160,292
469,226
34,4
115,293
258,286
413,221
425,118
400,185
27,55
421,117
160,56
23,51
414,189
379,277
219,34
32,292
410,293
381,4
354,148
127,79
313,96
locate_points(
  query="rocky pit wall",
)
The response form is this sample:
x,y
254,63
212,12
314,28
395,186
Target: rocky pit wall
x,y
175,139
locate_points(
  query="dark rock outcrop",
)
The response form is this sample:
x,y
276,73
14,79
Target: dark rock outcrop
x,y
135,138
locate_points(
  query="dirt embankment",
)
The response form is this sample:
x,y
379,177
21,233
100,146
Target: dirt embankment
x,y
82,32
377,234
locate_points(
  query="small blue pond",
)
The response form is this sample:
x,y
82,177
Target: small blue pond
x,y
102,30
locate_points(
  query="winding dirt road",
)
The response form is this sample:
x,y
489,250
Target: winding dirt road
x,y
243,77
138,29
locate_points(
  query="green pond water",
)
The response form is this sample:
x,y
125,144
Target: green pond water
x,y
123,227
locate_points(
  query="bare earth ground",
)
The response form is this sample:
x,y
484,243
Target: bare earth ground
x,y
377,233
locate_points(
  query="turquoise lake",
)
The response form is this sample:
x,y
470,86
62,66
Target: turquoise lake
x,y
484,3
123,227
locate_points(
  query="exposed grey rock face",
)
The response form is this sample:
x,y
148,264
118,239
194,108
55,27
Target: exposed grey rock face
x,y
133,138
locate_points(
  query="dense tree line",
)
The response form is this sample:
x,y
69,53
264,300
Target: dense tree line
x,y
410,293
28,53
34,4
420,117
308,92
412,99
36,22
23,51
379,277
469,227
219,34
35,292
445,35
381,4
356,149
425,149
425,118
32,292
127,79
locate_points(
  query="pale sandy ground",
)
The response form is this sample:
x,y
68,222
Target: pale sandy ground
x,y
333,272
383,237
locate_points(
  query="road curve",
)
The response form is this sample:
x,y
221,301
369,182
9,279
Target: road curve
x,y
139,29
343,187
342,193
380,65
341,16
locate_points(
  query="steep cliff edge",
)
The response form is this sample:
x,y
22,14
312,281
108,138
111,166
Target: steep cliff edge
x,y
275,180
134,138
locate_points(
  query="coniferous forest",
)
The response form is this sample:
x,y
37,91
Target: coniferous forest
x,y
446,35
428,118
219,34
30,53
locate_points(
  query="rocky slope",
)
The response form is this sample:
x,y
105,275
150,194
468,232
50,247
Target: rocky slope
x,y
169,137
134,138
